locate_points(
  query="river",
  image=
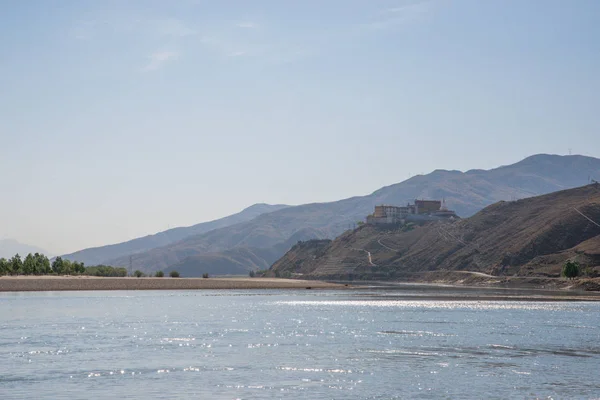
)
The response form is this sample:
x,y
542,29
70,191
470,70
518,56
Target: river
x,y
263,344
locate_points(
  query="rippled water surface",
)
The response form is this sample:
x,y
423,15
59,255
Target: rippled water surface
x,y
293,344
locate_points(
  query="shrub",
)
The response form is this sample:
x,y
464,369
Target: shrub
x,y
570,269
4,266
205,275
105,270
252,274
138,273
159,274
174,274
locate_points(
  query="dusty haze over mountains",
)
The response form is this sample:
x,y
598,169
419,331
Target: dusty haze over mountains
x,y
120,119
10,247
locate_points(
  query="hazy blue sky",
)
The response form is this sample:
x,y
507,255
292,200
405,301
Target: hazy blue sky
x,y
120,118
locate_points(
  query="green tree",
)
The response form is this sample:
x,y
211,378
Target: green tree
x,y
42,264
58,266
205,275
252,274
45,264
571,269
174,274
77,267
4,268
16,265
159,274
138,273
29,265
67,267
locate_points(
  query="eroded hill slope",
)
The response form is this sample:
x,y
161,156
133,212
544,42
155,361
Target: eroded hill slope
x,y
531,237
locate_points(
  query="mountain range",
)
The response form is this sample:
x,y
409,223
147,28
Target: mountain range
x,y
528,237
100,255
10,247
251,240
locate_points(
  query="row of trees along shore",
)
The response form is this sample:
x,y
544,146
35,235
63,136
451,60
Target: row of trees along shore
x,y
39,264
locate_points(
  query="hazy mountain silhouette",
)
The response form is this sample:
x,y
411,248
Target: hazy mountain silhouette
x,y
10,247
99,255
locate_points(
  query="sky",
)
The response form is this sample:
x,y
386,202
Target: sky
x,y
120,119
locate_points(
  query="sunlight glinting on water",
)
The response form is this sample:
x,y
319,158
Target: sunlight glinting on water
x,y
444,304
317,345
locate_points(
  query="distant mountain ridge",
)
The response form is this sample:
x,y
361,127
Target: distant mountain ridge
x,y
465,192
10,247
100,255
239,260
469,192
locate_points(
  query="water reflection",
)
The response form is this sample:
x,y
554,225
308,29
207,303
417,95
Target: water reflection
x,y
294,344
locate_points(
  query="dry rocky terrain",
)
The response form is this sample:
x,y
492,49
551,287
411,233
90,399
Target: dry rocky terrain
x,y
529,238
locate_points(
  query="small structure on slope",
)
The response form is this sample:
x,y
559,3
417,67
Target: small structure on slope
x,y
421,210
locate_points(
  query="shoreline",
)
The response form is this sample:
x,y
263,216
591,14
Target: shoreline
x,y
450,292
459,286
412,291
466,279
84,283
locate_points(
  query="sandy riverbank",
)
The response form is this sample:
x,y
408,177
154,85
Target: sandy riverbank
x,y
450,292
476,279
510,282
61,283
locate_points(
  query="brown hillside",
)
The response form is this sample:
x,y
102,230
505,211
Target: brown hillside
x,y
530,237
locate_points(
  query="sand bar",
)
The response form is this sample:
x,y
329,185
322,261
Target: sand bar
x,y
401,292
61,283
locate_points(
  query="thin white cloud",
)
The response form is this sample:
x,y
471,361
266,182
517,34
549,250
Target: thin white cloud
x,y
231,46
245,40
395,16
157,60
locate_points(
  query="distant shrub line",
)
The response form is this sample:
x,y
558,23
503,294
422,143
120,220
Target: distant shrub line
x,y
39,264
105,270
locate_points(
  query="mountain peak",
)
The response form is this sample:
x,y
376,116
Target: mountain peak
x,y
107,254
264,207
10,247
